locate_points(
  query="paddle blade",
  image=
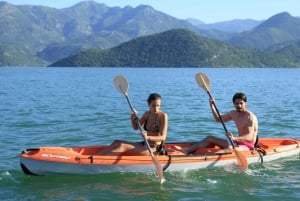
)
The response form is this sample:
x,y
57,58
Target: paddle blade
x,y
158,168
241,160
202,81
121,84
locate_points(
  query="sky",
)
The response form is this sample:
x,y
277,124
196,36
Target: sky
x,y
208,11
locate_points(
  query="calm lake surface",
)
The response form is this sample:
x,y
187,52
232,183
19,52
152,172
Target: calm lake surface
x,y
80,106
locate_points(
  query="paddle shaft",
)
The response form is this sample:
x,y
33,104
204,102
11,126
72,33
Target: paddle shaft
x,y
219,115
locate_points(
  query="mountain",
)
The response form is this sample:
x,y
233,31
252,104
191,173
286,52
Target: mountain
x,y
10,56
48,34
174,48
194,21
39,35
232,26
290,52
277,30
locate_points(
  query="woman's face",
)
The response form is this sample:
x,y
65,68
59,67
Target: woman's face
x,y
154,106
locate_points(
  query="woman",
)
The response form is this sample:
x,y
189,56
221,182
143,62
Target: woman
x,y
155,125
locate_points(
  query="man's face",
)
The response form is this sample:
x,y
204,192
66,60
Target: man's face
x,y
240,105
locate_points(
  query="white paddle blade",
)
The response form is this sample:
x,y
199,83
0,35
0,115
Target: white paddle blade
x,y
159,170
121,84
202,81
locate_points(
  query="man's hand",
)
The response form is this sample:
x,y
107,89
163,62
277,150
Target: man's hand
x,y
230,135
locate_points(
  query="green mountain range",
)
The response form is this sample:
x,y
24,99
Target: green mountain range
x,y
174,48
39,36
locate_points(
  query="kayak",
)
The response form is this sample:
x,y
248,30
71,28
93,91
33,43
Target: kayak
x,y
84,160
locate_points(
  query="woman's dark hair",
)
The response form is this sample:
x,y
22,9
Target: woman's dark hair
x,y
153,97
239,95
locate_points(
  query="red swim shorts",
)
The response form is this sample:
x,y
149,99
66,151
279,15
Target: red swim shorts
x,y
247,146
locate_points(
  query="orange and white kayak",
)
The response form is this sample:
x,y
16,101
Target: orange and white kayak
x,y
83,160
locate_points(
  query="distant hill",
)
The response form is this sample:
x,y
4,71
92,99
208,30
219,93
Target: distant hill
x,y
232,26
174,48
290,52
277,30
10,56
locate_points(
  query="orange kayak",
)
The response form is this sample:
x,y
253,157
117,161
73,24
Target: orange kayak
x,y
83,160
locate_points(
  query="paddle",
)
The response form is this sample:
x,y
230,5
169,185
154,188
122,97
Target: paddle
x,y
122,86
203,82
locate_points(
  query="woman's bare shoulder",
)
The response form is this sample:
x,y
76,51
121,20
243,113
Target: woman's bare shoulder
x,y
162,115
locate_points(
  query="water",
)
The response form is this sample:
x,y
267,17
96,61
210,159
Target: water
x,y
80,106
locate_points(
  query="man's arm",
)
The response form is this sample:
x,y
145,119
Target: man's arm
x,y
225,117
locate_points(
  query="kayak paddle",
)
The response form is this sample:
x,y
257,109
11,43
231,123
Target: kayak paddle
x,y
203,82
122,86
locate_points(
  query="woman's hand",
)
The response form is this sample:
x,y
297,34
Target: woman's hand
x,y
144,134
134,115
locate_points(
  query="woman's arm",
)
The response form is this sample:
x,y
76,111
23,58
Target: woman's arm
x,y
134,120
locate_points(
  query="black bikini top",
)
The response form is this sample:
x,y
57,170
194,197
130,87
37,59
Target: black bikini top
x,y
154,127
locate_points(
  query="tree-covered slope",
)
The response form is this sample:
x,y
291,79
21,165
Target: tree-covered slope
x,y
174,48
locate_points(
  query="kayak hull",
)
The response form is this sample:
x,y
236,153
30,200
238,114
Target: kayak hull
x,y
83,160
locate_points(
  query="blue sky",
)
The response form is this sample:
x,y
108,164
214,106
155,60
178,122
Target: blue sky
x,y
208,11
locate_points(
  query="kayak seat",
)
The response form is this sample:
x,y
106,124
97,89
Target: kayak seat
x,y
258,145
288,142
172,152
264,146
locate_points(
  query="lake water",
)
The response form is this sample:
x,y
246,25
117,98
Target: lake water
x,y
80,106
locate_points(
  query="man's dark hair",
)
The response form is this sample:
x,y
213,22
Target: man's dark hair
x,y
239,95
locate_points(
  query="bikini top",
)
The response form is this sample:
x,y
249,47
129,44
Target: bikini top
x,y
153,127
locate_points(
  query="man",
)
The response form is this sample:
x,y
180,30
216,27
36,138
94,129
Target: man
x,y
245,121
